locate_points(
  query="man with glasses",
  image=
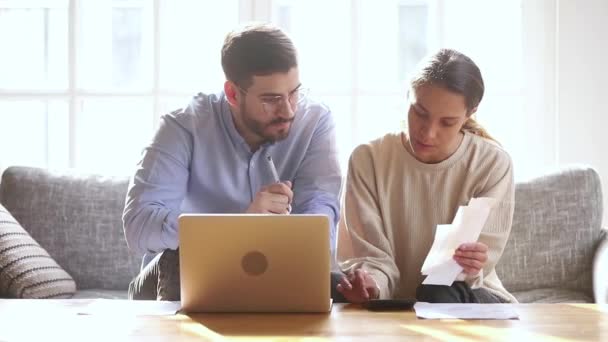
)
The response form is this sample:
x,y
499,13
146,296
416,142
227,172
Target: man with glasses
x,y
213,157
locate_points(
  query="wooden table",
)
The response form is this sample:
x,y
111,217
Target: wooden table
x,y
55,320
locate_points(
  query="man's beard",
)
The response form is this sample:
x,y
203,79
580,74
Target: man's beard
x,y
259,127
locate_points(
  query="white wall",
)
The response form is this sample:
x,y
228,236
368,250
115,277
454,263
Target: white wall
x,y
537,125
582,86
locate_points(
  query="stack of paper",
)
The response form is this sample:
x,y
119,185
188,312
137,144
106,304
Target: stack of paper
x,y
439,265
465,311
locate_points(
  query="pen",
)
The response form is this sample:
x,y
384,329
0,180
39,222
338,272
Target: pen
x,y
275,174
273,169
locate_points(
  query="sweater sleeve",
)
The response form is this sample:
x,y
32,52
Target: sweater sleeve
x,y
495,233
364,233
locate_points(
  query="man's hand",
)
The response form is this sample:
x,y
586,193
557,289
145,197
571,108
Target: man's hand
x,y
471,257
358,287
272,199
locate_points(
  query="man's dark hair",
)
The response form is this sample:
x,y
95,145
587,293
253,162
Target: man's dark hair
x,y
256,50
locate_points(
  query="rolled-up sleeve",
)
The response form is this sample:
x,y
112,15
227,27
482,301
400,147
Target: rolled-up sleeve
x,y
158,188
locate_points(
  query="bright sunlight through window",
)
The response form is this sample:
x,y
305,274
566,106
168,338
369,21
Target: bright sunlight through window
x,y
83,83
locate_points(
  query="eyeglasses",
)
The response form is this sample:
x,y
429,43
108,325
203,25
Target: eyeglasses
x,y
273,104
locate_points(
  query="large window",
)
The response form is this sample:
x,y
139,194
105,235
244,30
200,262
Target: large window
x,y
83,83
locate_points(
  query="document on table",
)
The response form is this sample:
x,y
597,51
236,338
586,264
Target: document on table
x,y
465,311
439,266
130,307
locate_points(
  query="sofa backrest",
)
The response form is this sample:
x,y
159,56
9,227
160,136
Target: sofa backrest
x,y
556,226
77,219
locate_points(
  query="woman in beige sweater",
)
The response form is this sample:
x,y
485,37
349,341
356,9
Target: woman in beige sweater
x,y
401,186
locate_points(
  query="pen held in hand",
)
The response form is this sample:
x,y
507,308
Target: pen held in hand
x,y
273,169
275,174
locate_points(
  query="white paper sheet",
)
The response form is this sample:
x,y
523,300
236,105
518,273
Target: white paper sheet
x,y
465,311
439,266
130,307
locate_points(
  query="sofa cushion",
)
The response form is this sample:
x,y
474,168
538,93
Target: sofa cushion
x,y
552,295
556,225
77,218
26,269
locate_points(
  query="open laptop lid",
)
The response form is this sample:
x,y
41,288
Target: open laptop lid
x,y
254,263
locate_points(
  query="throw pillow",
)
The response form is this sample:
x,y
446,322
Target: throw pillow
x,y
26,269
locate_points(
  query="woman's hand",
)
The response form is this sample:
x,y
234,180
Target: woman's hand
x,y
471,257
358,287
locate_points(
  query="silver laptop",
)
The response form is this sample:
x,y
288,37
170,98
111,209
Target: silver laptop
x,y
254,263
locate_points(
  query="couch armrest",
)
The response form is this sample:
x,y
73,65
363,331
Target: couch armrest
x,y
600,269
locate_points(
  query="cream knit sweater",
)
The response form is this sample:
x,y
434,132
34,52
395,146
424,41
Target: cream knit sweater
x,y
393,203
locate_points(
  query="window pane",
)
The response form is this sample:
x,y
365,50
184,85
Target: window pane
x,y
497,48
392,40
191,43
115,45
58,145
111,133
169,104
34,45
30,136
323,40
341,109
363,119
413,36
378,115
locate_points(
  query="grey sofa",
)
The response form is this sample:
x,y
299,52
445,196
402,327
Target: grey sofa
x,y
555,235
549,256
77,219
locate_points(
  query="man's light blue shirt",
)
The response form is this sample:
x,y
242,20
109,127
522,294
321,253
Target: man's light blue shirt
x,y
199,163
